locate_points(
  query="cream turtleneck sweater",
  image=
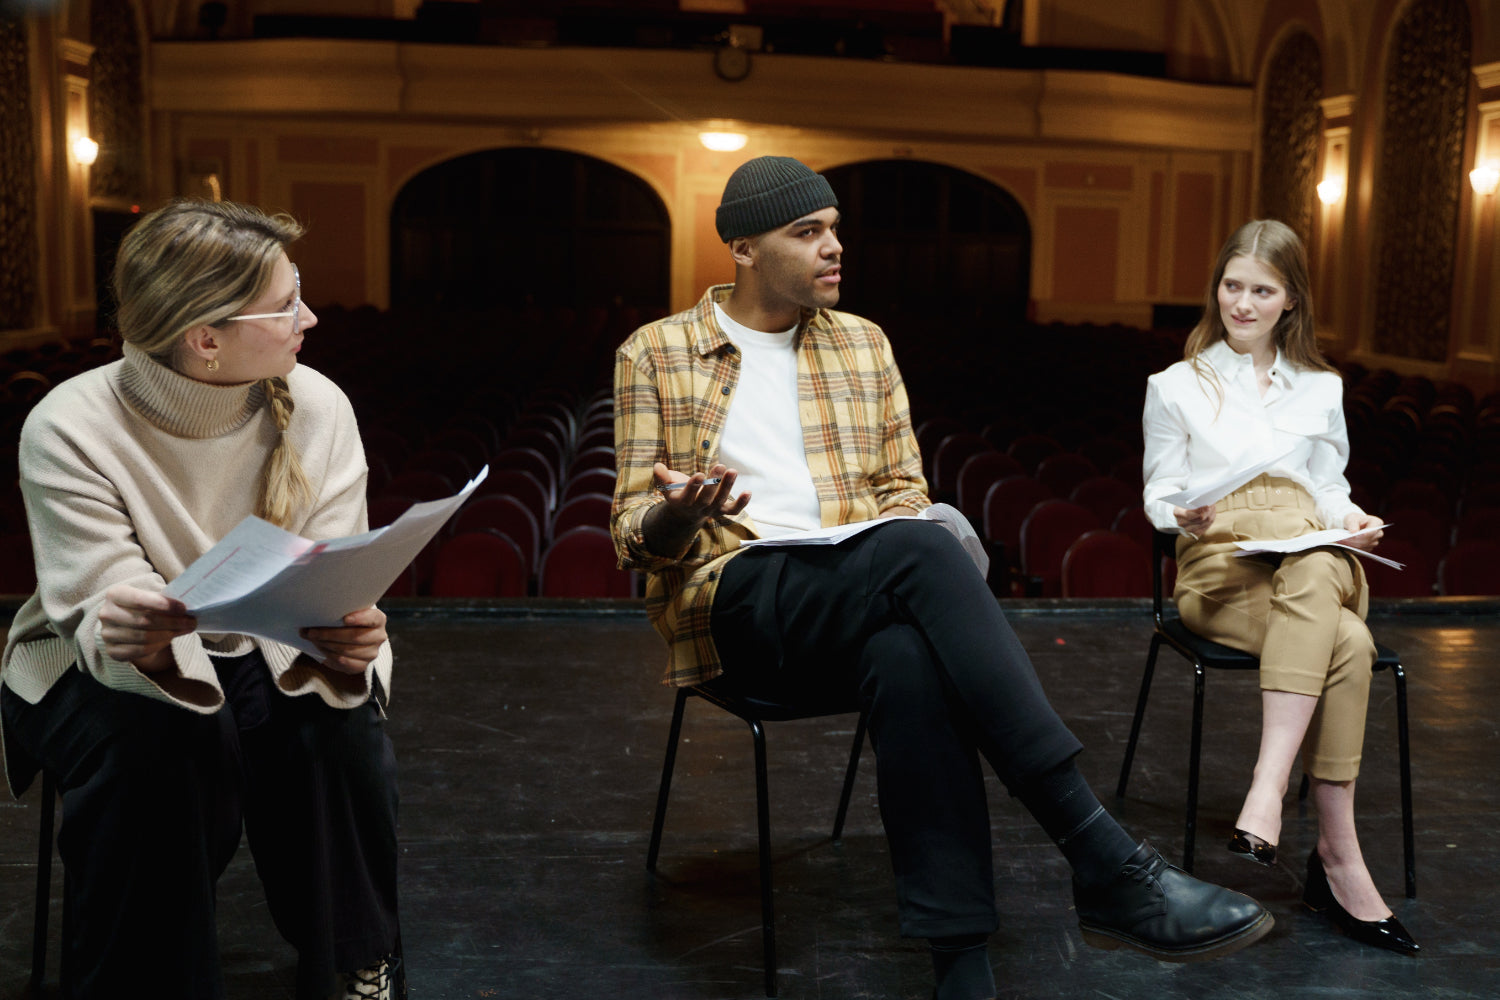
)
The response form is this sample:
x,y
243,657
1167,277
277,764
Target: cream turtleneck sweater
x,y
130,472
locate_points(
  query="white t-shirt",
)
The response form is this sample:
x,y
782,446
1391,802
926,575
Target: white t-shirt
x,y
1192,436
762,437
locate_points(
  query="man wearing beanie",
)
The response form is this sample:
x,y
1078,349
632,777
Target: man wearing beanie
x,y
764,391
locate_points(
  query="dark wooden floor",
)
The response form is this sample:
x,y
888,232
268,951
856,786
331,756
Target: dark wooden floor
x,y
530,743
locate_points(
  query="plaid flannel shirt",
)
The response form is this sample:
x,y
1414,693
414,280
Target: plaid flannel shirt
x,y
674,383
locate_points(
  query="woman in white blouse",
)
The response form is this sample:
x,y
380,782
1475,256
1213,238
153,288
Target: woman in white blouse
x,y
1252,386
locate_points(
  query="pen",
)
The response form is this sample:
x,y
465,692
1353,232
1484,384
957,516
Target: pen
x,y
669,487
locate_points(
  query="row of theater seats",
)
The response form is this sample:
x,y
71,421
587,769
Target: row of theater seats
x,y
1436,480
539,522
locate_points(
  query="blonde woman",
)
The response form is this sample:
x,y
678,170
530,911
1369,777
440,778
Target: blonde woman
x,y
1253,385
164,740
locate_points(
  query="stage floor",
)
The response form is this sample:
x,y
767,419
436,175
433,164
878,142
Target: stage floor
x,y
530,746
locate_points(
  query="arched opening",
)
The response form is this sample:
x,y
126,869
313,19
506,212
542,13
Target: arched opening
x,y
529,227
923,239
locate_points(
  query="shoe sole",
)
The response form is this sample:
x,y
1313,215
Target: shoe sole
x,y
1108,940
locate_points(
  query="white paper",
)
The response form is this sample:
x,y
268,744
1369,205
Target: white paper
x,y
1330,536
1207,493
262,580
824,536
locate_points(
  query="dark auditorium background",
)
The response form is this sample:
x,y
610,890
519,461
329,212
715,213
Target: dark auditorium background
x,y
496,192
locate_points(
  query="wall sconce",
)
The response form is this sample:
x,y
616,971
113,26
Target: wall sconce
x,y
723,142
84,149
1484,178
1331,190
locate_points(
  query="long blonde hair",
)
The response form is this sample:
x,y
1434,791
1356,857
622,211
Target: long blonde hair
x,y
192,263
1275,245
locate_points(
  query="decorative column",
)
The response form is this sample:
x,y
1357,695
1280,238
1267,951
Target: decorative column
x,y
1479,280
1333,197
76,246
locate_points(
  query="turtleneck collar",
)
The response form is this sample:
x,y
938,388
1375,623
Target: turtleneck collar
x,y
182,406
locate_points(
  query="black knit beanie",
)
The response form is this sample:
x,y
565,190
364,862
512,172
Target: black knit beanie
x,y
767,192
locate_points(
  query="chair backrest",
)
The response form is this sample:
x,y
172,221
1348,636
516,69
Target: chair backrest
x,y
1470,568
1048,530
1106,564
588,481
1030,449
506,515
581,562
1419,577
521,485
584,509
1429,531
1478,523
1132,521
385,508
479,564
1106,496
529,460
451,465
1061,473
1418,494
951,454
598,457
420,484
1005,508
979,472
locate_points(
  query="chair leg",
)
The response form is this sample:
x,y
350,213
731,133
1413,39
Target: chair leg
x,y
763,824
666,779
1191,831
1408,837
1140,713
849,775
43,885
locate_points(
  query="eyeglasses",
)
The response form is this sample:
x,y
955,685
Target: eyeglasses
x,y
293,312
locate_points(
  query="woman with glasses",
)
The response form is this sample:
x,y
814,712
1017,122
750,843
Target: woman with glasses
x,y
161,739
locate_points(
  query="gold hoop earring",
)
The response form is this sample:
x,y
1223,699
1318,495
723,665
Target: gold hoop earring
x,y
213,364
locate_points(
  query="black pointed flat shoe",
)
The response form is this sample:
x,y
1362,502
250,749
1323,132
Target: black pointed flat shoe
x,y
1248,845
1387,933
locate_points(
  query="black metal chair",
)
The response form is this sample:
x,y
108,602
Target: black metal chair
x,y
1205,654
755,712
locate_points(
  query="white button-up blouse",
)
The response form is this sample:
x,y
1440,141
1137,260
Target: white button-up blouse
x,y
1197,432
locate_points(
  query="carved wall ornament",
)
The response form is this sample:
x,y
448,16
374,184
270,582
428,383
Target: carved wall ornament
x,y
18,166
116,103
1420,178
1291,134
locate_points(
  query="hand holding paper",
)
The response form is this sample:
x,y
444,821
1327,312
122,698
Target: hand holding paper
x,y
261,580
1331,536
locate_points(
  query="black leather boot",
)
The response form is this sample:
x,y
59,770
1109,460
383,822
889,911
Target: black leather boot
x,y
1165,912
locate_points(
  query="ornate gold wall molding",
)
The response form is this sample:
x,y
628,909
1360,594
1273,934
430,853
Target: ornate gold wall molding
x,y
1291,133
116,103
18,167
1419,180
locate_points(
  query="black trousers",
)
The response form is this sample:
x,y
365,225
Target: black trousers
x,y
902,616
153,797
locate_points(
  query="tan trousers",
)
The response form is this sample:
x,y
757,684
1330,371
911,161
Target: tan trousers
x,y
1302,614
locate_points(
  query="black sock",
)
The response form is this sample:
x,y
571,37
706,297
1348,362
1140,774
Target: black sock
x,y
1066,807
961,966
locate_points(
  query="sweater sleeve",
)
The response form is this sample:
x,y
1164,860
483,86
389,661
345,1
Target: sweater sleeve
x,y
86,541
